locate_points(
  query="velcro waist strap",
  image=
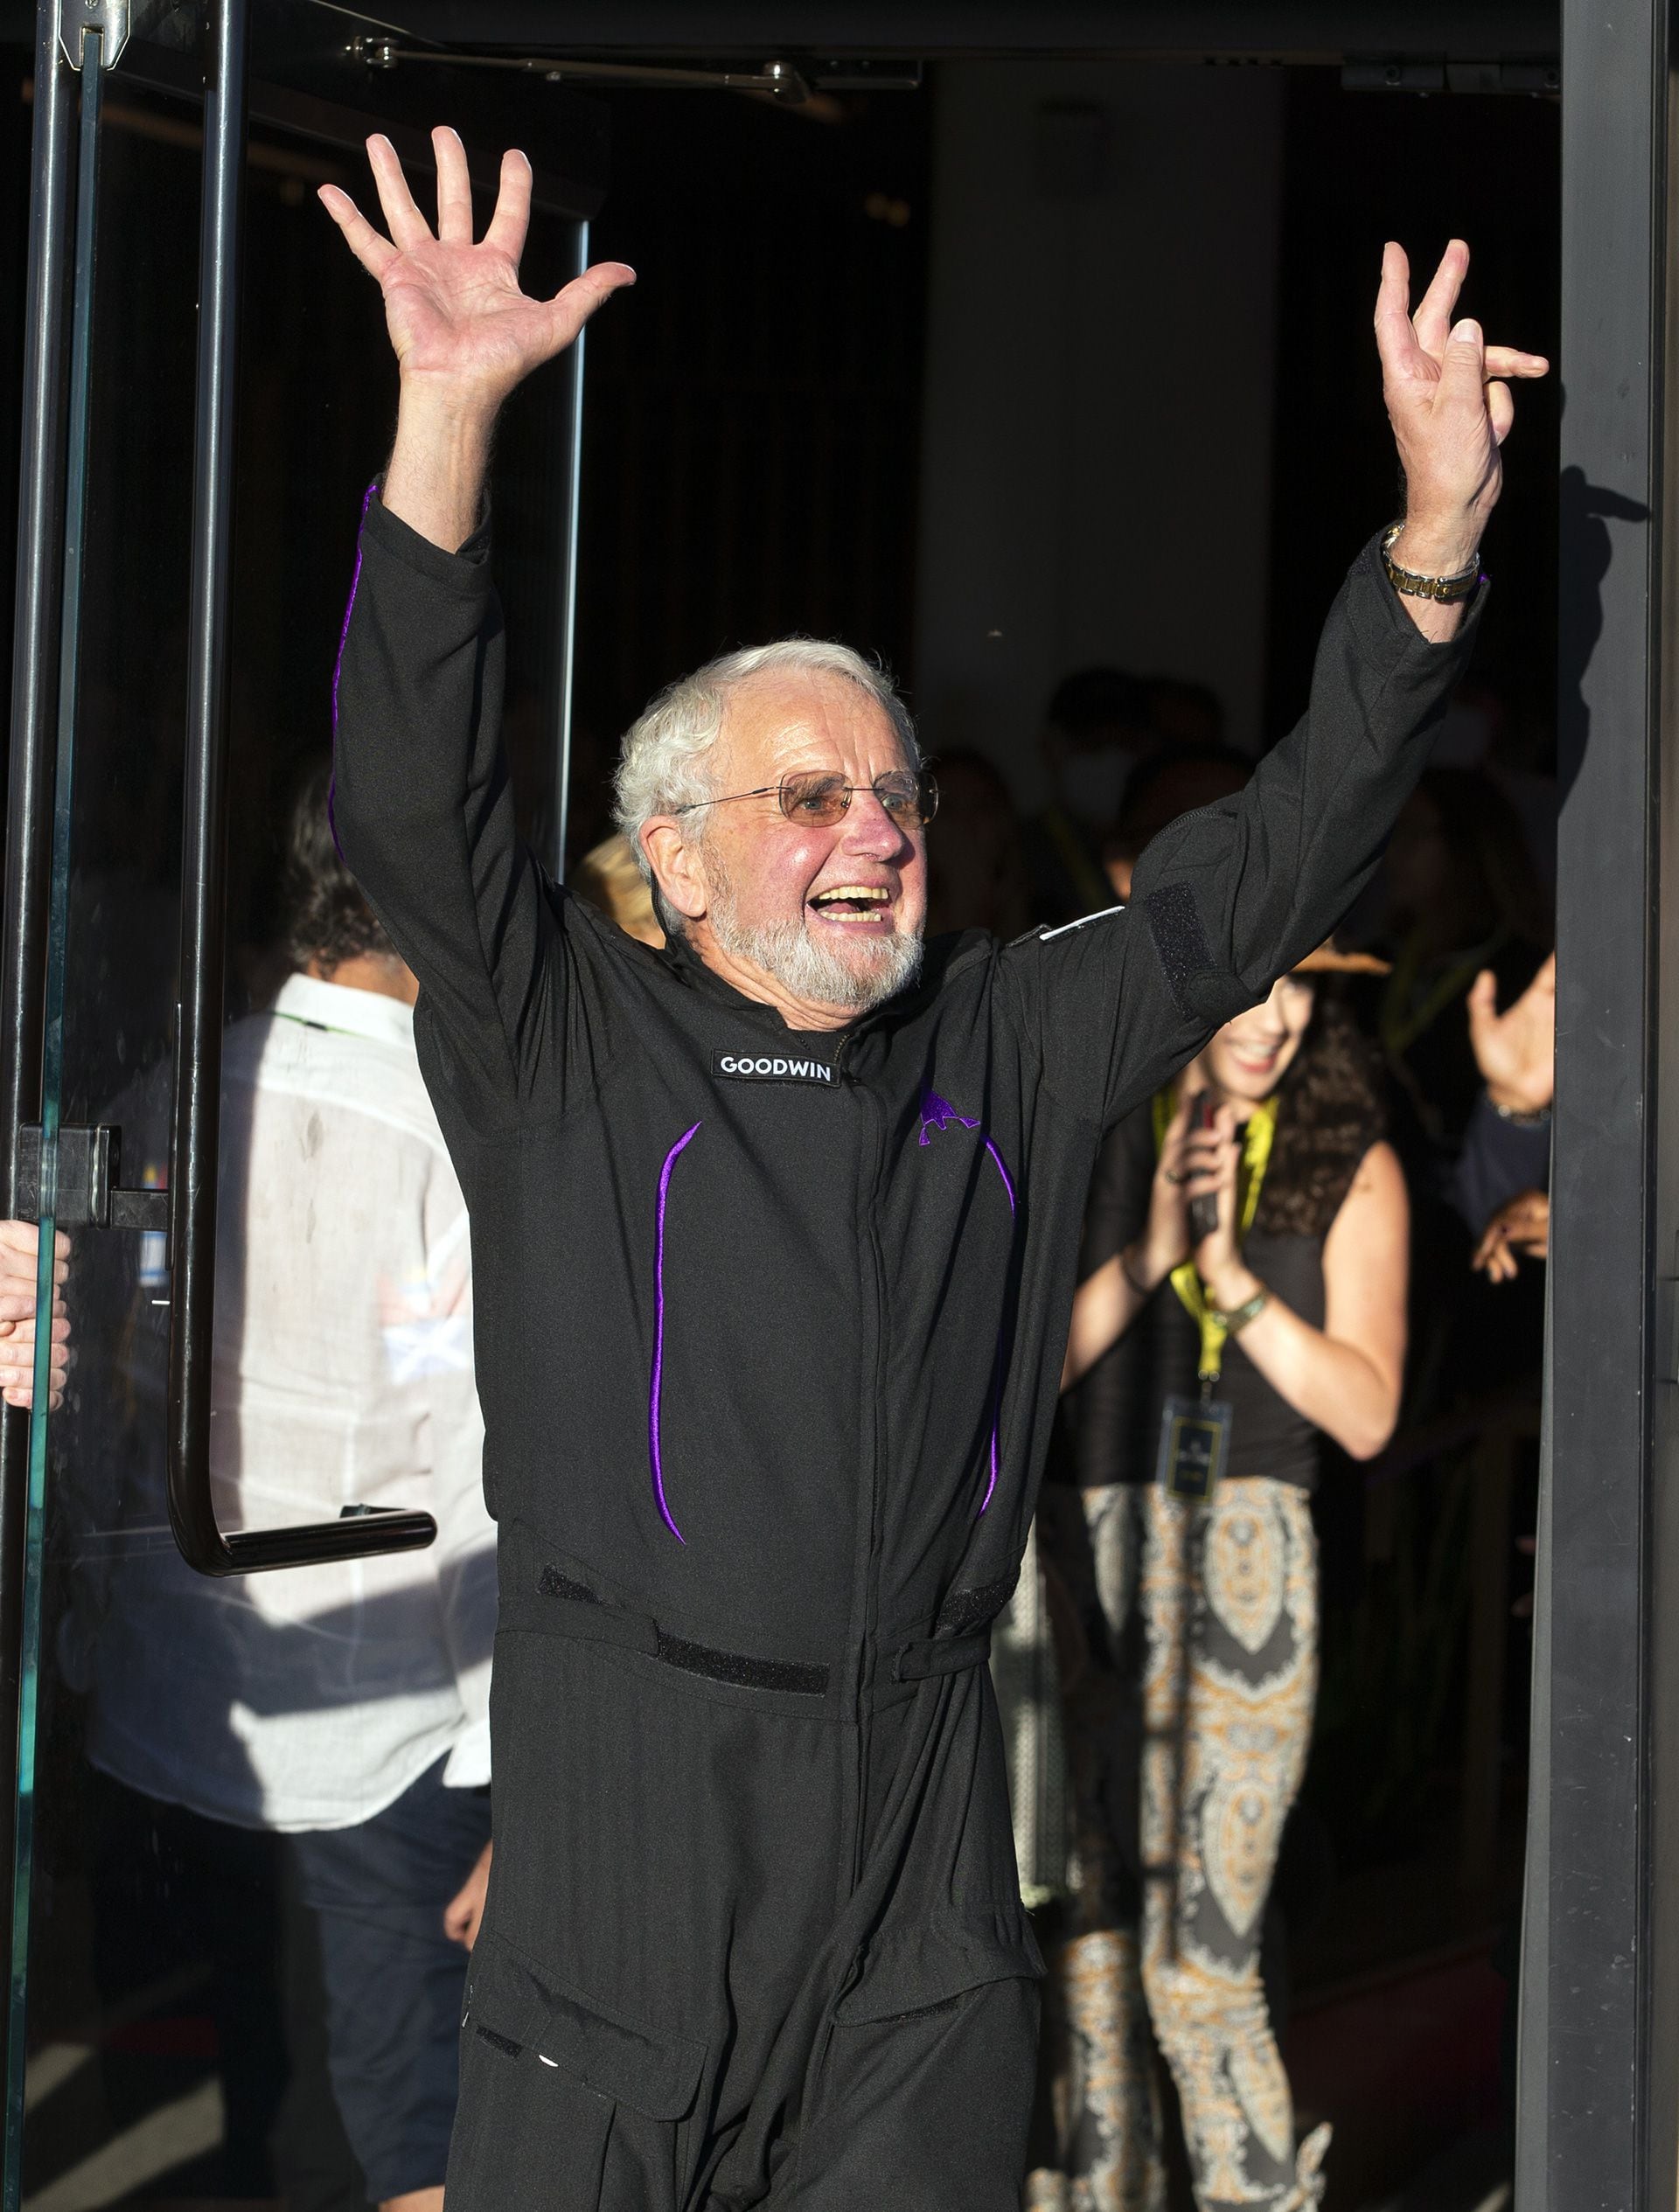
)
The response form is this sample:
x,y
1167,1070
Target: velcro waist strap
x,y
560,1606
931,1655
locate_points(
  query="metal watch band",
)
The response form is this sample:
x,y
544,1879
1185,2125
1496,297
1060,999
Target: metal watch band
x,y
1447,589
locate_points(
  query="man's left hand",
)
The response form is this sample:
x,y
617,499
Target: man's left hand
x,y
1448,399
20,1244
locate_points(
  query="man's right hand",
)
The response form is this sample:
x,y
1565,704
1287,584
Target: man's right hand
x,y
463,332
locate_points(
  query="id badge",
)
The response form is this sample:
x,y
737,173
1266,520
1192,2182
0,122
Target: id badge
x,y
1195,1443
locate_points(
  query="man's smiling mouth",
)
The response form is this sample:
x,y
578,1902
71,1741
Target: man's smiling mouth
x,y
853,904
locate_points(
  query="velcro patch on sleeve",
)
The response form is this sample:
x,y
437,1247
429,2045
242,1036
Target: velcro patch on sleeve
x,y
1180,942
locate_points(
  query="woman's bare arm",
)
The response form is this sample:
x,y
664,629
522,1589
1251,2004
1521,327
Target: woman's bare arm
x,y
1346,1378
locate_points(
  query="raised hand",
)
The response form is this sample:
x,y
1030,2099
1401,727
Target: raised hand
x,y
1516,1051
454,307
1448,399
464,333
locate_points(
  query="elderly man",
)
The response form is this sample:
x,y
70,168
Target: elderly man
x,y
774,1236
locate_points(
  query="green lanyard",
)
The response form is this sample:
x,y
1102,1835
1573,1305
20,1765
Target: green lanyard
x,y
1256,1141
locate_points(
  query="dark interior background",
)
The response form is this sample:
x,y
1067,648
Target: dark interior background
x,y
753,405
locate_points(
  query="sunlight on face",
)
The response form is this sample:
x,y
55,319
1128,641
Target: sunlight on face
x,y
834,911
1247,1059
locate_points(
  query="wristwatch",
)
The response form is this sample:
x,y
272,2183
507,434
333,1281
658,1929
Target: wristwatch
x,y
1448,590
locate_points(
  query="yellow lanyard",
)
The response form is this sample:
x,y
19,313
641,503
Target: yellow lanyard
x,y
1250,1175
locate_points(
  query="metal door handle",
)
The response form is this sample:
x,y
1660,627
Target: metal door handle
x,y
197,1044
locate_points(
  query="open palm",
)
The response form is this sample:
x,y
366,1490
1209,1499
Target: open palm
x,y
454,307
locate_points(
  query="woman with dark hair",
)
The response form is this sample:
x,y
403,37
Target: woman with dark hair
x,y
1211,1355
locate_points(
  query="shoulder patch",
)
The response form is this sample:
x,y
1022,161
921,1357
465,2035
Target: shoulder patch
x,y
1179,939
773,1068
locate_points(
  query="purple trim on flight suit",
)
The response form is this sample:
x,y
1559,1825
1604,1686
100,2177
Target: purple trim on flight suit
x,y
653,1454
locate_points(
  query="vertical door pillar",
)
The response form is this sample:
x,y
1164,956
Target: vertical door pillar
x,y
1599,2048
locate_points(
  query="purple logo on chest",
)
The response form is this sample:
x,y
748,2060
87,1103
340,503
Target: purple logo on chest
x,y
938,1113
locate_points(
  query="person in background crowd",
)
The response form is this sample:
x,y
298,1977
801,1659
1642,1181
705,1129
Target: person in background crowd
x,y
1283,1322
1461,895
1165,786
975,859
341,1708
1184,713
1501,1182
1096,731
607,878
1510,736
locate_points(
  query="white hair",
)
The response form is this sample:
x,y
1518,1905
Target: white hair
x,y
663,761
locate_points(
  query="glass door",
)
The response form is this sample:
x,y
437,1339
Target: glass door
x,y
207,393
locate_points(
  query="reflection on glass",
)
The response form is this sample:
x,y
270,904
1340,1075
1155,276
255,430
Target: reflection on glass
x,y
178,1983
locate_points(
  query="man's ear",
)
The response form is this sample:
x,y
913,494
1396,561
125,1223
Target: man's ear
x,y
678,868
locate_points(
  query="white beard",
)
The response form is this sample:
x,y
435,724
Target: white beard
x,y
801,963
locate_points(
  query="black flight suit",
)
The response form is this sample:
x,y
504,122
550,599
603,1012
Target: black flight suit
x,y
768,1333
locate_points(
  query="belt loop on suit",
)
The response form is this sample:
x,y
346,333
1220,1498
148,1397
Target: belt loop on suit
x,y
931,1655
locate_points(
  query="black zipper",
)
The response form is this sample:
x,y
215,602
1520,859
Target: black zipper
x,y
866,1642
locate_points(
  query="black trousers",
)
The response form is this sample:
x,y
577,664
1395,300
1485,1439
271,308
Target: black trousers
x,y
924,2114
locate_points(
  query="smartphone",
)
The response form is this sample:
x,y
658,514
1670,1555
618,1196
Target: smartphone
x,y
1203,1210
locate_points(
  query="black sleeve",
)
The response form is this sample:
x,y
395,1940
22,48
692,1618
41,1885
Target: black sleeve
x,y
1228,898
1120,1188
1500,1160
423,811
1114,1408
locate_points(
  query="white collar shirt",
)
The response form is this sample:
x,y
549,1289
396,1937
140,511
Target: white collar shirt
x,y
310,1698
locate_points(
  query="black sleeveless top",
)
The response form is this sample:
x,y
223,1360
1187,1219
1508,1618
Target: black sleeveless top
x,y
1115,1412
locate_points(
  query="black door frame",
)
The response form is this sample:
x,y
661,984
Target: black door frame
x,y
1600,2018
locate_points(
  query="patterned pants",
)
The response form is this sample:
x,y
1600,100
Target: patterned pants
x,y
1185,1762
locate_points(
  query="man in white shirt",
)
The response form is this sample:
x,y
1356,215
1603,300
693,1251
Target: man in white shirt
x,y
344,1707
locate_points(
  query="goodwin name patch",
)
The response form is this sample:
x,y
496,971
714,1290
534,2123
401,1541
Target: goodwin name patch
x,y
771,1068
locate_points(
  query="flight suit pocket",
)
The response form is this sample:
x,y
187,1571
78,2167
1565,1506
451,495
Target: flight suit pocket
x,y
927,2074
566,2105
922,1965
